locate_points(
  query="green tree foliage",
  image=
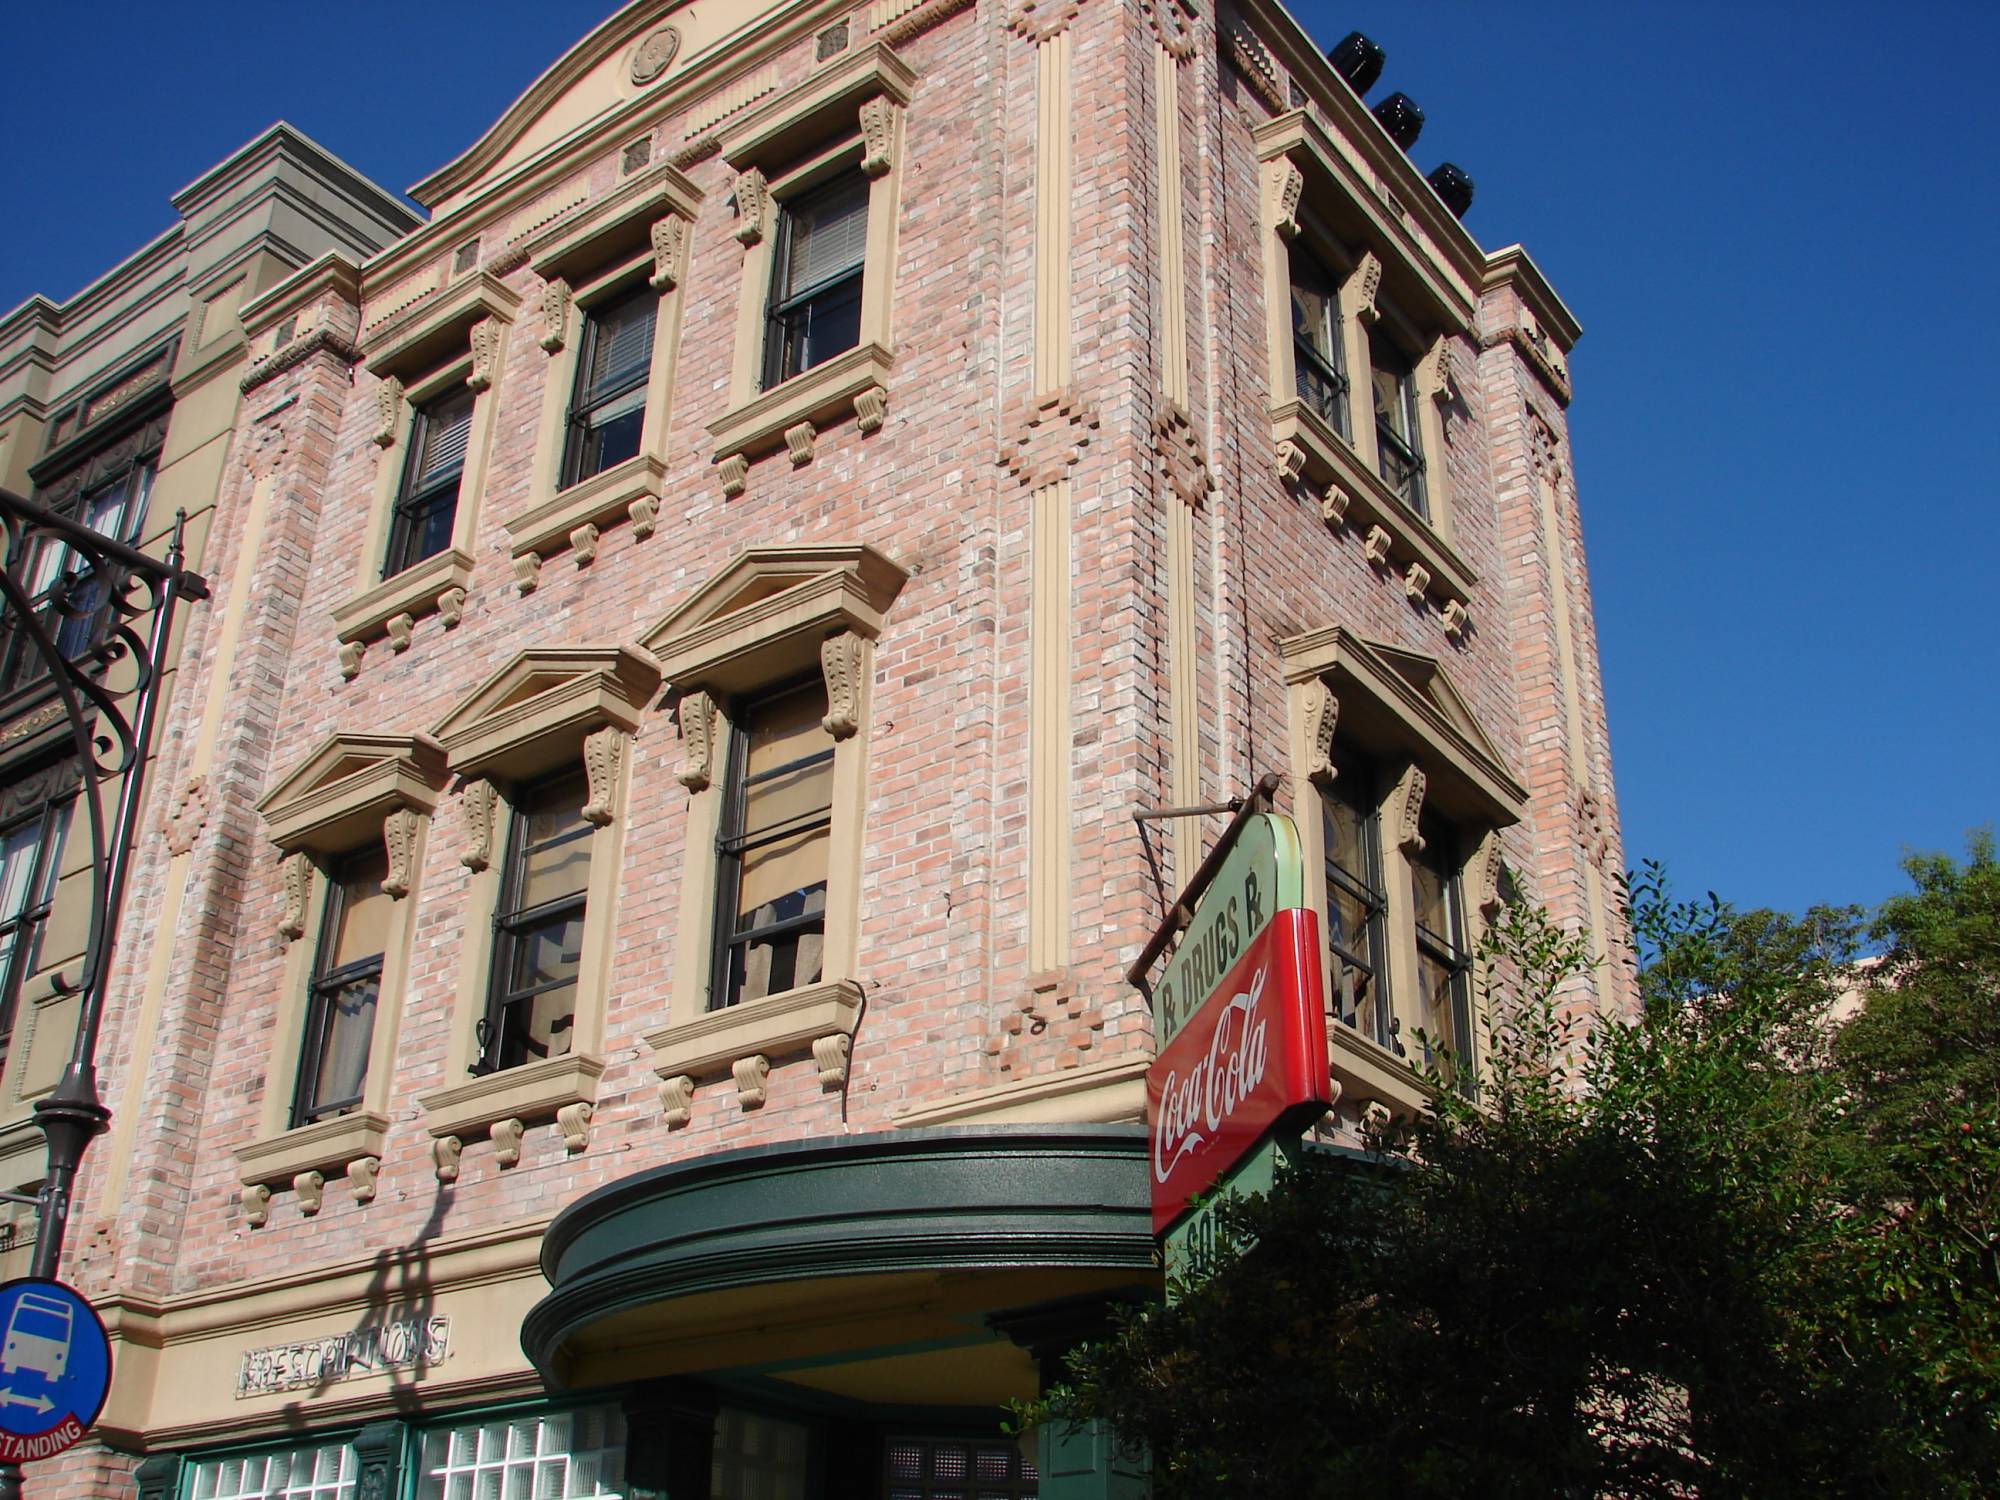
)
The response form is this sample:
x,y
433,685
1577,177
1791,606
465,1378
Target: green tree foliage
x,y
1643,1264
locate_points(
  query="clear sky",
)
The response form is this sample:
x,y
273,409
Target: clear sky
x,y
1777,222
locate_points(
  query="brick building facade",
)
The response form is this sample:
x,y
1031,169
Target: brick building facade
x,y
644,1006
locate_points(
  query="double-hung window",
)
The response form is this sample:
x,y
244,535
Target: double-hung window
x,y
346,986
1444,967
30,860
771,895
608,408
1356,904
538,927
815,303
427,500
1319,363
1398,445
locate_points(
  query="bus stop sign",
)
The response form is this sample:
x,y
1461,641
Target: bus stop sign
x,y
55,1368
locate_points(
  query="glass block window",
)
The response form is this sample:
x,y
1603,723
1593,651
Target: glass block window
x,y
959,1469
558,1455
757,1458
325,1473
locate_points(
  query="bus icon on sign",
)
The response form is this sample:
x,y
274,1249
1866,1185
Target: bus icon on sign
x,y
37,1337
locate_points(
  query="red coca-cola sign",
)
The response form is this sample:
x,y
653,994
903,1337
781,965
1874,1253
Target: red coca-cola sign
x,y
1252,1053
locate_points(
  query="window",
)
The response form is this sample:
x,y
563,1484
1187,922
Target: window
x,y
815,306
1399,448
757,1457
538,930
563,1455
1356,906
946,1469
325,1473
30,859
1319,363
608,409
427,503
773,878
346,984
1444,968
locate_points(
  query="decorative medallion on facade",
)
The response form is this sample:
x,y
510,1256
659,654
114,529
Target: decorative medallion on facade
x,y
654,54
1179,450
1047,435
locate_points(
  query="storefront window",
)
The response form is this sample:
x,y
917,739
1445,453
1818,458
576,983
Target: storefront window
x,y
325,1473
757,1458
959,1469
561,1455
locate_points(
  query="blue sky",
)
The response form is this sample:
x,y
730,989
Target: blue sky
x,y
1771,218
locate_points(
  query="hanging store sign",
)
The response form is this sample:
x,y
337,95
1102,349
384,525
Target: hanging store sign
x,y
1249,1056
406,1344
1262,875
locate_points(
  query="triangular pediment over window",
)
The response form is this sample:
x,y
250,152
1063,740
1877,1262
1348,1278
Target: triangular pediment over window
x,y
1425,675
335,799
533,713
744,625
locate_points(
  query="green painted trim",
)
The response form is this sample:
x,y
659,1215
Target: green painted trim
x,y
956,1198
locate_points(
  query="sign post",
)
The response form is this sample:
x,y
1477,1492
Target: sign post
x,y
55,1368
1239,1025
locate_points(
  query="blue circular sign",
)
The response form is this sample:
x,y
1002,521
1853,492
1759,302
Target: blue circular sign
x,y
55,1368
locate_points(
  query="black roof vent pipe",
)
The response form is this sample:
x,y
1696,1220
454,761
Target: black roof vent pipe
x,y
1401,118
1358,60
1453,186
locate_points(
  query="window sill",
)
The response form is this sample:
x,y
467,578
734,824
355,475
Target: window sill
x,y
1368,1072
820,1016
534,1091
323,1146
1326,460
826,393
602,499
413,592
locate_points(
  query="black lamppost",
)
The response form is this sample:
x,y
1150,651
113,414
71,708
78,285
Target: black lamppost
x,y
110,587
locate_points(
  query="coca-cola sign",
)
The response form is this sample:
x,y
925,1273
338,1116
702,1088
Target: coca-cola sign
x,y
1253,1054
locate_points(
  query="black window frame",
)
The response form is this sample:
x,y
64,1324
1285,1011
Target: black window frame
x,y
1391,447
324,988
501,1033
415,505
585,404
1449,950
1309,365
731,843
1356,784
50,806
785,341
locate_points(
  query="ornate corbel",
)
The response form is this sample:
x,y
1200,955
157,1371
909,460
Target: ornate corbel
x,y
485,355
1457,618
507,1141
451,606
669,237
479,802
840,660
830,1054
446,1152
351,653
399,837
677,1100
362,1173
555,314
528,572
871,406
878,135
573,1120
256,1199
311,1187
583,543
800,439
388,412
1408,802
1486,867
603,754
1416,580
753,205
1322,713
735,473
297,872
753,1077
399,628
1358,292
1286,185
1375,546
1291,461
644,514
1333,503
1433,374
697,716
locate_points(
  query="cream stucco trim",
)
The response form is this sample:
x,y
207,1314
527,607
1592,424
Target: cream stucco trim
x,y
1356,496
823,395
773,612
1101,1093
603,229
1368,1073
533,1091
627,491
327,802
534,712
409,340
325,1146
415,591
